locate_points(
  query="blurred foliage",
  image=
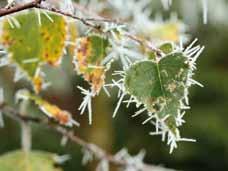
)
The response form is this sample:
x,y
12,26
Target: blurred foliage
x,y
32,161
206,121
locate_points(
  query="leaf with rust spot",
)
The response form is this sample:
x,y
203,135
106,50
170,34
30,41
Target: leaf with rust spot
x,y
90,52
31,45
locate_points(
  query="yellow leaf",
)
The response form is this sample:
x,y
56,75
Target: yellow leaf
x,y
62,116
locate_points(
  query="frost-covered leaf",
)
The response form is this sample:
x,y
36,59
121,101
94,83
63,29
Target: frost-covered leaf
x,y
90,52
160,86
166,48
51,110
38,39
32,161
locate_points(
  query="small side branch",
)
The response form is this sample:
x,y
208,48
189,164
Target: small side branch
x,y
86,21
98,152
17,8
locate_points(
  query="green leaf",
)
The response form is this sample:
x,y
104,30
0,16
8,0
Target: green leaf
x,y
32,161
160,86
32,45
166,48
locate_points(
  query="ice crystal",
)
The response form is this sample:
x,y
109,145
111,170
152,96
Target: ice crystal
x,y
164,125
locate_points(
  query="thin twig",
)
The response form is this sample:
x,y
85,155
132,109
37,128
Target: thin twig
x,y
86,11
85,21
26,135
99,18
98,152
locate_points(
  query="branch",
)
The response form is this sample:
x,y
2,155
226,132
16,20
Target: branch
x,y
86,21
98,152
19,7
85,10
37,4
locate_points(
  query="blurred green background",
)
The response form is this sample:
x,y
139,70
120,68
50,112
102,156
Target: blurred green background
x,y
207,120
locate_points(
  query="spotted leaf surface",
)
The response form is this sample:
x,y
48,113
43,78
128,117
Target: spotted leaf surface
x,y
34,42
89,55
32,161
160,86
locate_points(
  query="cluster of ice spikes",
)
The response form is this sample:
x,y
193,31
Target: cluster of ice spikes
x,y
132,163
160,119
